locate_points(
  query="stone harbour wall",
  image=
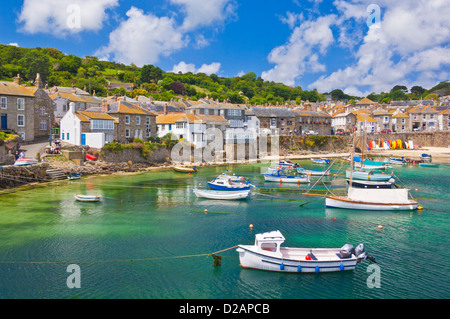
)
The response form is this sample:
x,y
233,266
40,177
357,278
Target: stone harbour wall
x,y
13,176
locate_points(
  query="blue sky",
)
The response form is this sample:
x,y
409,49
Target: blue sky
x,y
359,46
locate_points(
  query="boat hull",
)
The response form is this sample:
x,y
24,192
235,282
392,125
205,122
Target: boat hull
x,y
343,202
223,195
320,161
228,187
286,179
311,172
184,169
368,176
88,198
370,184
249,258
428,165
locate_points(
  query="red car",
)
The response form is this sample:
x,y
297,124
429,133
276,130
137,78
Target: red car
x,y
386,130
339,131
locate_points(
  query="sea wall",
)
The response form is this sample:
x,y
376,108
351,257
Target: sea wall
x,y
134,155
421,139
13,176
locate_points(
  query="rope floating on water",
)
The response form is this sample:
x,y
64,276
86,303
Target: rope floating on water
x,y
118,260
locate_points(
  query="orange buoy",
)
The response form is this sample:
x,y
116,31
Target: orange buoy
x,y
308,257
334,218
380,227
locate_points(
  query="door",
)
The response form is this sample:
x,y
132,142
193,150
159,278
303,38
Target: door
x,y
83,139
4,122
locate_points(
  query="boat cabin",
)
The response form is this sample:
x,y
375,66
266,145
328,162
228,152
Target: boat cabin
x,y
269,241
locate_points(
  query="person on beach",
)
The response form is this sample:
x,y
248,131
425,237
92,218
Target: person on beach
x,y
22,154
16,156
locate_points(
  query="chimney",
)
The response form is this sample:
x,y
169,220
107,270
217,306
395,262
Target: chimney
x,y
17,79
72,107
165,109
38,82
105,106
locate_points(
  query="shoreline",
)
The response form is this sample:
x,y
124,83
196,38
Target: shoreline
x,y
441,155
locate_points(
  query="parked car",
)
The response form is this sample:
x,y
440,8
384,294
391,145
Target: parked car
x,y
311,133
339,131
386,130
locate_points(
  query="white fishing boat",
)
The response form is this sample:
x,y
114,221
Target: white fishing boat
x,y
25,161
287,163
312,172
224,184
233,178
88,198
280,177
397,161
426,157
320,160
267,254
227,195
368,175
74,176
373,199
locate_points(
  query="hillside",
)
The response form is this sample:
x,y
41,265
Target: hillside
x,y
58,69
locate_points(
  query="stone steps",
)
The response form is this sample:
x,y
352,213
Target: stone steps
x,y
56,173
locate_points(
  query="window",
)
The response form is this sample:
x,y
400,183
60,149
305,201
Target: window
x,y
148,126
127,132
138,120
206,111
68,137
102,124
43,125
403,121
20,104
20,120
299,119
3,103
403,127
180,125
424,116
431,116
273,121
127,119
234,112
42,111
62,136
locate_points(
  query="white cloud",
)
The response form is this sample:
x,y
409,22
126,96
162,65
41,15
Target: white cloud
x,y
208,69
298,55
200,13
142,39
14,44
62,17
411,47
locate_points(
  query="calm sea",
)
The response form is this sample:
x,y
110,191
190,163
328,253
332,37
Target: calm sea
x,y
151,238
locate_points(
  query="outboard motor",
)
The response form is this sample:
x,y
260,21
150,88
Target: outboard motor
x,y
347,250
360,253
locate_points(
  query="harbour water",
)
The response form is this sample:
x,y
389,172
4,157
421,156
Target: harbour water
x,y
150,237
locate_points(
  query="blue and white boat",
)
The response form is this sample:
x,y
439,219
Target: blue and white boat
x,y
426,157
320,160
369,175
397,161
224,184
280,177
312,172
287,164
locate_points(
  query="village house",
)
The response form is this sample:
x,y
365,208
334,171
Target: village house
x,y
87,128
365,104
423,118
316,121
401,123
444,120
133,120
114,85
26,111
343,123
383,119
63,99
365,123
276,120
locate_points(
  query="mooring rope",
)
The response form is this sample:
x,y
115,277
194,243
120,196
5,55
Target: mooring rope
x,y
114,260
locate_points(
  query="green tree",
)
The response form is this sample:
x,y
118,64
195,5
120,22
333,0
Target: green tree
x,y
34,62
150,73
402,88
70,63
417,90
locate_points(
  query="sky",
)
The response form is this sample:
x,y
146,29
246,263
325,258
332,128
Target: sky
x,y
359,46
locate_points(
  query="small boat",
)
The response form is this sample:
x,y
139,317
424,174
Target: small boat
x,y
74,176
287,163
372,184
91,157
25,161
428,165
413,161
267,254
397,161
233,178
370,175
372,199
426,157
227,185
185,169
88,198
320,160
214,194
312,172
279,176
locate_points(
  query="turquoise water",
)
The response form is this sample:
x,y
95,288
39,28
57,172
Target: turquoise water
x,y
150,238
